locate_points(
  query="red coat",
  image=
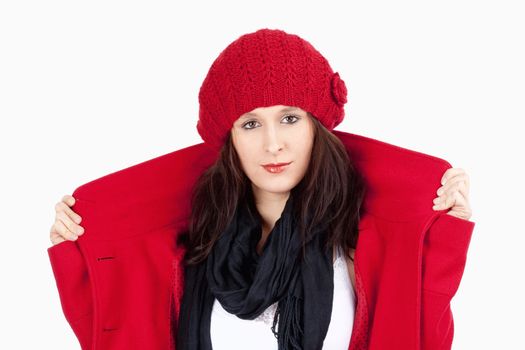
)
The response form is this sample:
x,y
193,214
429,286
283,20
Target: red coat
x,y
121,283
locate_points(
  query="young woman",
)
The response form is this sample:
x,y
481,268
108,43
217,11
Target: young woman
x,y
275,221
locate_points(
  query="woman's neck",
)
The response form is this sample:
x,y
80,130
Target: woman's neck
x,y
270,206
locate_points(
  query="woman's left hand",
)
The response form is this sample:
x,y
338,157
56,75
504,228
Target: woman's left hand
x,y
454,194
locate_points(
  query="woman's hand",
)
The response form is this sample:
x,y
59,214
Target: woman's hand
x,y
66,222
454,194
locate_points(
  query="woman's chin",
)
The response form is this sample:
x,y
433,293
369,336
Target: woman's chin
x,y
277,186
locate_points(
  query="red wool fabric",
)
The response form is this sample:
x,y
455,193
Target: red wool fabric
x,y
120,284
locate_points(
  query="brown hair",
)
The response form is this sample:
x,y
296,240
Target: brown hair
x,y
331,191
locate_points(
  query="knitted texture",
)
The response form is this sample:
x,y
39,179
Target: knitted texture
x,y
265,68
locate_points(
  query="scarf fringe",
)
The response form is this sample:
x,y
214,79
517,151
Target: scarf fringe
x,y
288,312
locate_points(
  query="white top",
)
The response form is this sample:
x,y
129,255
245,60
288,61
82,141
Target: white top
x,y
230,332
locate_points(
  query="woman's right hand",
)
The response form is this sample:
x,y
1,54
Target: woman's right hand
x,y
66,226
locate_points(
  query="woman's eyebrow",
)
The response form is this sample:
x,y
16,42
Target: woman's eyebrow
x,y
286,109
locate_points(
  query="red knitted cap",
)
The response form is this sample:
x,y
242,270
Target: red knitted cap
x,y
265,68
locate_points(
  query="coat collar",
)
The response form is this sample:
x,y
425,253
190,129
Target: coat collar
x,y
400,186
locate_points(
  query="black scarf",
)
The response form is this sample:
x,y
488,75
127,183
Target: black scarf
x,y
246,284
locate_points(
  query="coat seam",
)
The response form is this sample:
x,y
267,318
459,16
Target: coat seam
x,y
425,229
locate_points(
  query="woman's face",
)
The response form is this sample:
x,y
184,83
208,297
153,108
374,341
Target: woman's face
x,y
275,134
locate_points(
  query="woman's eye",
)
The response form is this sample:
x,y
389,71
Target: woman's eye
x,y
294,116
244,125
285,117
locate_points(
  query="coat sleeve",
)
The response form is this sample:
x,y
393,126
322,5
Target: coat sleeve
x,y
74,289
444,256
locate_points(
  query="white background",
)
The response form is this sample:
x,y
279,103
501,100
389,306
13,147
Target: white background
x,y
88,88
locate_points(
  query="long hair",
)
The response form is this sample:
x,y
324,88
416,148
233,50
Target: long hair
x,y
331,191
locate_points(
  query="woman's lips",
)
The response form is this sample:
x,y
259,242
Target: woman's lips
x,y
276,168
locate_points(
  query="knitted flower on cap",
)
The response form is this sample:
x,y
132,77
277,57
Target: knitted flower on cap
x,y
265,68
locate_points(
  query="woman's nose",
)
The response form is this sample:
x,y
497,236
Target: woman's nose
x,y
273,140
